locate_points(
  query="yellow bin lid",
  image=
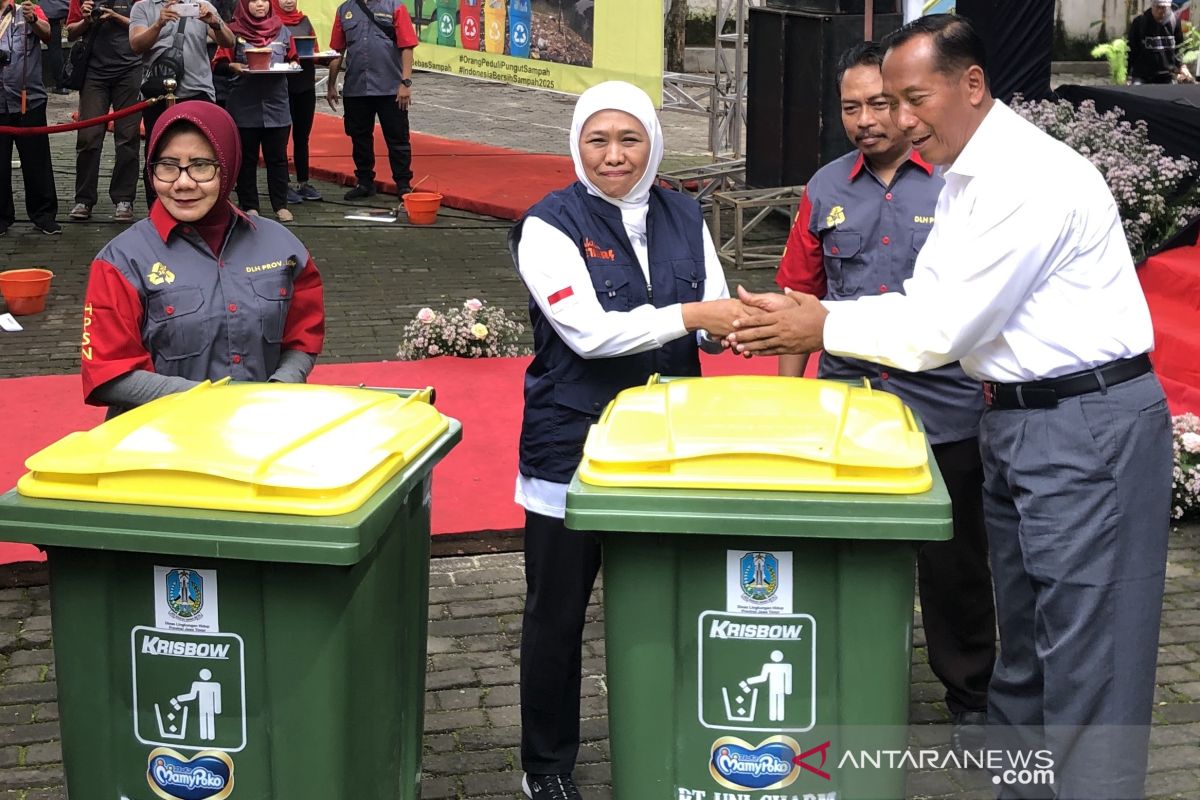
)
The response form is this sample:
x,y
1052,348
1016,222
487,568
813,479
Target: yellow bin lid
x,y
261,447
758,432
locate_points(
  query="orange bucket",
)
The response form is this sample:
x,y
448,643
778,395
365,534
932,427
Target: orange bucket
x,y
422,207
25,290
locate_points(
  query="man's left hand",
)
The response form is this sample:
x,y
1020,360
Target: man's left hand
x,y
404,97
793,324
208,15
27,9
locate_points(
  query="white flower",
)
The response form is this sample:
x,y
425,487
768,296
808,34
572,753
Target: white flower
x,y
1191,442
473,304
426,315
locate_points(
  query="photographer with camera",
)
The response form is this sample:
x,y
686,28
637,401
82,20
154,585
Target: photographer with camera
x,y
172,38
112,79
23,30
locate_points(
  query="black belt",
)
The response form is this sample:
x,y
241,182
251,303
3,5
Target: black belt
x,y
1047,393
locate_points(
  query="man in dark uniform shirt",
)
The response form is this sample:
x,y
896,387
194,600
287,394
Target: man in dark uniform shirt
x,y
862,220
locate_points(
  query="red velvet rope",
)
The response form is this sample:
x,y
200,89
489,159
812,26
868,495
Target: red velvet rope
x,y
14,130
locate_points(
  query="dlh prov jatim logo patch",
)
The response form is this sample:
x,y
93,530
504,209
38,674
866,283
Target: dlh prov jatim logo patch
x,y
759,574
185,592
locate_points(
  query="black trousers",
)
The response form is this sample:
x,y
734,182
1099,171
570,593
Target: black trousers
x,y
54,52
41,196
560,569
273,142
95,99
304,108
955,585
359,123
150,116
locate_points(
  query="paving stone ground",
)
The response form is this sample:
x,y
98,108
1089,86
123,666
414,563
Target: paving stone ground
x,y
376,277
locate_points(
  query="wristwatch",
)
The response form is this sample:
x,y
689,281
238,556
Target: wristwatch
x,y
709,344
406,81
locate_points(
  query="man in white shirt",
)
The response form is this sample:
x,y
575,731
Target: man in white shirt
x,y
1027,280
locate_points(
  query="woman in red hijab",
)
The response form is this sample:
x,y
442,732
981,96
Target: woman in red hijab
x,y
198,290
302,97
258,103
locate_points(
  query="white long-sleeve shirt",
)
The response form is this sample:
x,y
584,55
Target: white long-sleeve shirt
x,y
549,264
1025,275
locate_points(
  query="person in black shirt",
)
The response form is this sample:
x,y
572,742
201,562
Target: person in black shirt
x,y
1154,41
113,80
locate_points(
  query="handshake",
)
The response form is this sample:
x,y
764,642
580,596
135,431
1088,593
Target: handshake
x,y
761,324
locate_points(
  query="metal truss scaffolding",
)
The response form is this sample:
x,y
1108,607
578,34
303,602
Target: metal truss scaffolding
x,y
720,96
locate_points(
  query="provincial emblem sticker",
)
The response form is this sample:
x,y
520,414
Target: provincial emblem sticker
x,y
185,599
759,582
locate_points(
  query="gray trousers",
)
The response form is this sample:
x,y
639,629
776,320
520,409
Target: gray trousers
x,y
1077,502
95,99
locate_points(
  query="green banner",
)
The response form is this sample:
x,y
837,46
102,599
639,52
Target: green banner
x,y
561,45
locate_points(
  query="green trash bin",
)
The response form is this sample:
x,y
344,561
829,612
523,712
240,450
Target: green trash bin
x,y
239,589
759,563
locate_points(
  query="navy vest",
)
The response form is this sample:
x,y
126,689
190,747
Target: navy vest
x,y
565,393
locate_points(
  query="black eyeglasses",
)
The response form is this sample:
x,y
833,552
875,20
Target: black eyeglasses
x,y
201,170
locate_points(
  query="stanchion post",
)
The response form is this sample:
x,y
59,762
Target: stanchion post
x,y
169,84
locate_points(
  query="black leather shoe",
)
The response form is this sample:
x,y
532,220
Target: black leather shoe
x,y
359,192
970,733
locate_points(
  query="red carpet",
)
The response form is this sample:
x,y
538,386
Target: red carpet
x,y
1171,281
472,488
472,177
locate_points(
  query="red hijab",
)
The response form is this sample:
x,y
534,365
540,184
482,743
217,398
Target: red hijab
x,y
219,129
257,32
288,18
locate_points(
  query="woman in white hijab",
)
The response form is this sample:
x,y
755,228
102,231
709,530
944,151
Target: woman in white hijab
x,y
623,281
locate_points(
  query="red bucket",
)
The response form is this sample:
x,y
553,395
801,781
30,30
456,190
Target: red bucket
x,y
422,207
25,290
258,59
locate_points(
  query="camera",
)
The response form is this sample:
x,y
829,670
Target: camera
x,y
5,58
98,8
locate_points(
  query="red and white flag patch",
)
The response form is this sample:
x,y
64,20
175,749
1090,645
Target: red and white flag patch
x,y
561,300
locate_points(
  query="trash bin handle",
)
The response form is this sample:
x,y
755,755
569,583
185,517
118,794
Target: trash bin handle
x,y
419,396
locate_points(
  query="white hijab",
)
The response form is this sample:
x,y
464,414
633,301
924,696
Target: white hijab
x,y
621,96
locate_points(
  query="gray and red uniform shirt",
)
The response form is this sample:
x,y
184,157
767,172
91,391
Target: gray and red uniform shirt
x,y
855,237
259,101
24,68
372,59
158,299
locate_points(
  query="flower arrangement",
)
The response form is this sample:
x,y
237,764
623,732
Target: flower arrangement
x,y
472,330
1185,490
1156,193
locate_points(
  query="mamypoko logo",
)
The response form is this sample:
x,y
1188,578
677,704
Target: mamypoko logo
x,y
208,775
760,576
735,764
185,592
